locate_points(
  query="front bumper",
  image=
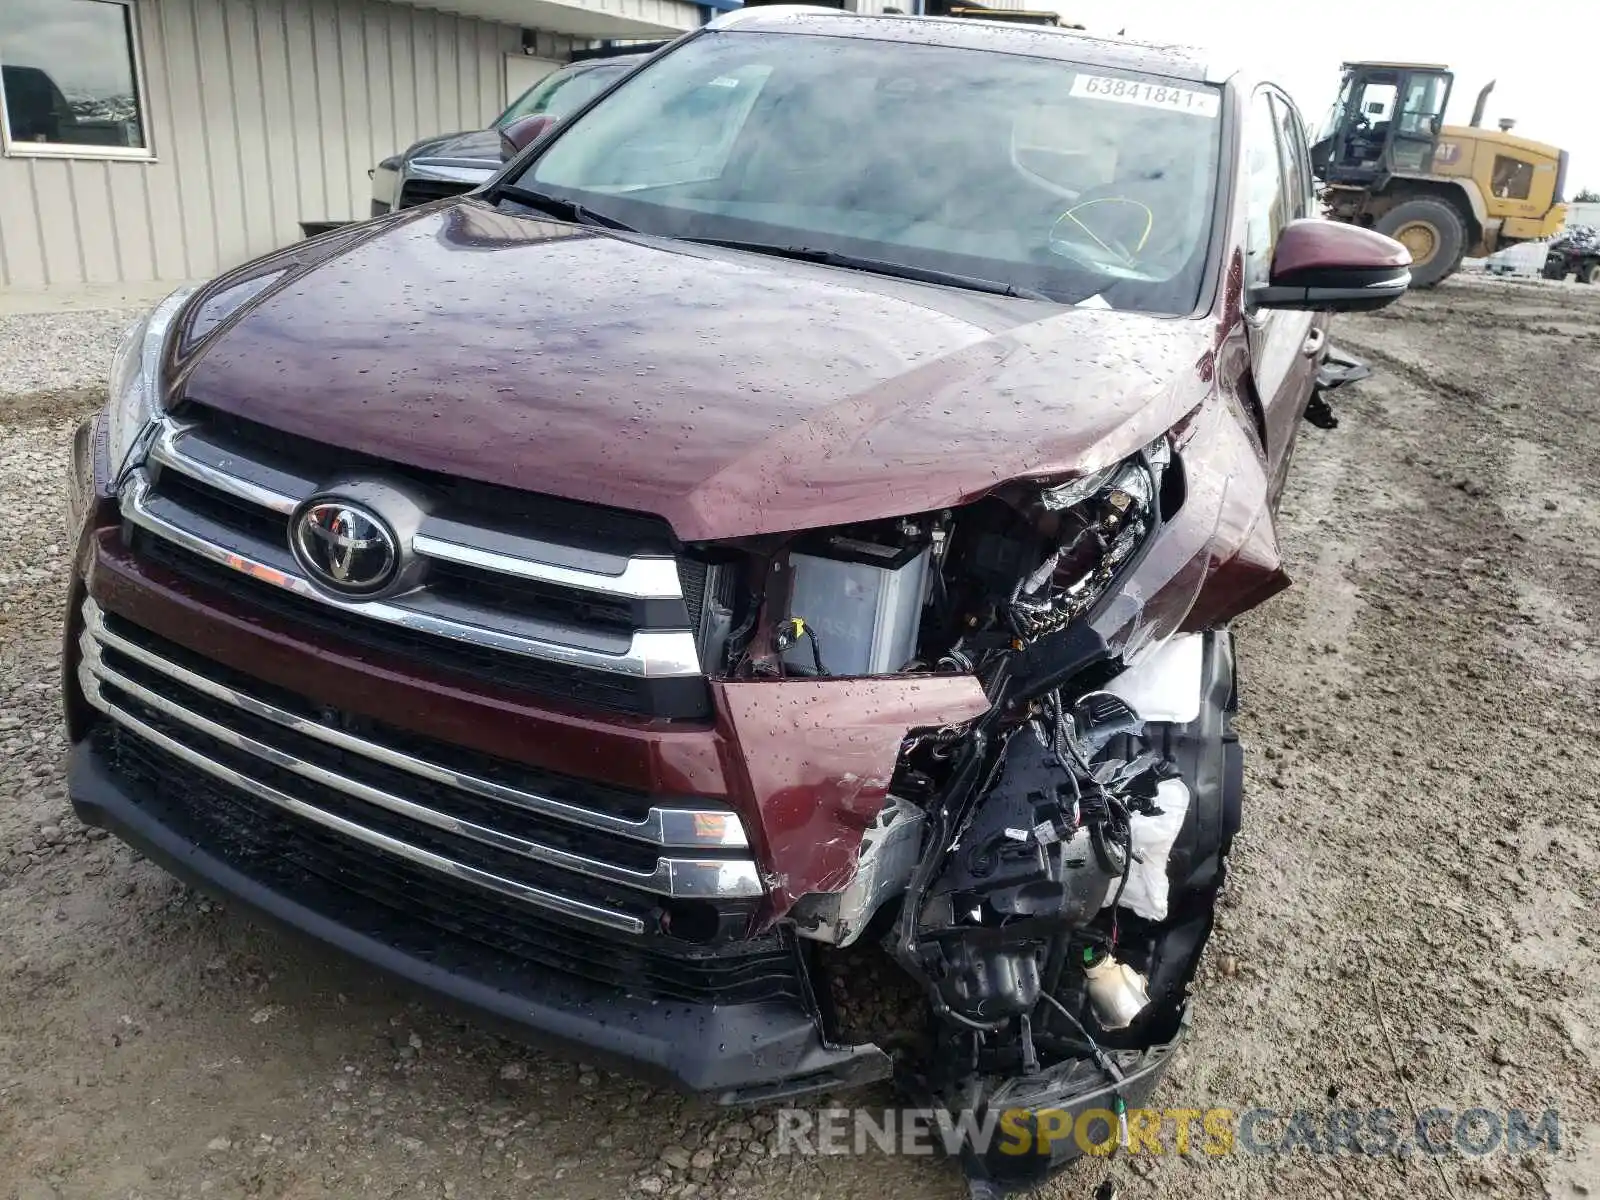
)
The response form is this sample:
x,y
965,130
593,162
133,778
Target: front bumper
x,y
353,838
700,1025
1064,1112
738,1053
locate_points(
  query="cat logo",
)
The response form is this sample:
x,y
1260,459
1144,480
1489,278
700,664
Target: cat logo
x,y
1447,152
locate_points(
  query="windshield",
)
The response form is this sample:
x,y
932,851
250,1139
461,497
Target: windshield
x,y
1042,175
562,92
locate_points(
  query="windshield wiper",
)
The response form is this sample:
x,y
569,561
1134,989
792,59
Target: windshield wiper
x,y
568,210
877,266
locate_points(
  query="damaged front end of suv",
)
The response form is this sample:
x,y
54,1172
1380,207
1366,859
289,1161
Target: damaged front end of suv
x,y
706,567
1044,868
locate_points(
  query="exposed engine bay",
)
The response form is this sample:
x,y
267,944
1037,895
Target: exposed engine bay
x,y
1046,872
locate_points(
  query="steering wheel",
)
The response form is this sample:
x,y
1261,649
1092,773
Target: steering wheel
x,y
1087,222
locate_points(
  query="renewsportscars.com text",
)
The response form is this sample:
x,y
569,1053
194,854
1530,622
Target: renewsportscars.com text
x,y
1213,1132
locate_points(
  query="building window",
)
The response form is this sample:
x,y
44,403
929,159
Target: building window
x,y
70,70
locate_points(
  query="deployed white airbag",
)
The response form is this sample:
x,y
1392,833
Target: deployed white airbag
x,y
1153,837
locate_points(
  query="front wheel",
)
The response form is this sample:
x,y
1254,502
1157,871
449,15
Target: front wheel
x,y
1434,233
1590,272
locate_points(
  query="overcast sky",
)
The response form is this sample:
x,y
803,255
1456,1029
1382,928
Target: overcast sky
x,y
1545,57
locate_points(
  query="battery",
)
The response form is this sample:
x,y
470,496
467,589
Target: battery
x,y
862,599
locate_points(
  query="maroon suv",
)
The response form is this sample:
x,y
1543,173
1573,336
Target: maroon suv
x,y
791,515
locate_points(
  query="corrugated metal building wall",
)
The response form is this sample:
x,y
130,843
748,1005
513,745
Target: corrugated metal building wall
x,y
262,113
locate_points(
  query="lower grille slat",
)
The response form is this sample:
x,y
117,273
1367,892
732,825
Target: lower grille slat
x,y
428,915
535,878
380,841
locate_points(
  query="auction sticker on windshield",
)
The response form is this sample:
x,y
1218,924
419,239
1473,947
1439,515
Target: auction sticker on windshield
x,y
1152,95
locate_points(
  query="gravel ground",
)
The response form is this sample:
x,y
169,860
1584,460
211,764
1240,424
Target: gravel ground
x,y
1411,919
58,350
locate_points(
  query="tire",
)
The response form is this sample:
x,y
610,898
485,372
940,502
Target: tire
x,y
1433,231
1589,272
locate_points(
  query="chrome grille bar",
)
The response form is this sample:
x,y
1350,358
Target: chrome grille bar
x,y
272,487
642,578
680,878
651,653
272,490
668,826
538,897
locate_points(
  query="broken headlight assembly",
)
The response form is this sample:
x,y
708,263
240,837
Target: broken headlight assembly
x,y
997,589
1032,560
961,589
1018,870
1034,811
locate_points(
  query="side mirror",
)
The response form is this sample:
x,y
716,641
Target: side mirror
x,y
522,133
1327,266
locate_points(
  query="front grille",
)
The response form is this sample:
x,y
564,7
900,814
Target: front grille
x,y
592,526
404,838
590,689
426,915
422,191
572,601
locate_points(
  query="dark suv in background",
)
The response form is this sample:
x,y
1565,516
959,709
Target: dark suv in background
x,y
452,163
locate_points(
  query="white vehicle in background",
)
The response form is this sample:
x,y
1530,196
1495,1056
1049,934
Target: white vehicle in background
x,y
1525,259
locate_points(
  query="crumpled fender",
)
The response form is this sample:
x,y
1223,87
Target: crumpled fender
x,y
816,757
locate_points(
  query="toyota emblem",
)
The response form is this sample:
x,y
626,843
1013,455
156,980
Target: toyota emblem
x,y
344,546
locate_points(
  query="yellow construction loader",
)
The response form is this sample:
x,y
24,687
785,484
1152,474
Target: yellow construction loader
x,y
1387,160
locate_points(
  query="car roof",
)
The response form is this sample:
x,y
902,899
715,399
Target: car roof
x,y
1039,41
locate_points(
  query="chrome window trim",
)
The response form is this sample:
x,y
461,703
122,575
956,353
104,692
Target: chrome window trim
x,y
678,827
652,653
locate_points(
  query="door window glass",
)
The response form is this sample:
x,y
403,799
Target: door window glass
x,y
1377,102
1370,119
1296,164
1420,116
1263,189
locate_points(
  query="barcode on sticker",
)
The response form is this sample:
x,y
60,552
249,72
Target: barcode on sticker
x,y
1196,102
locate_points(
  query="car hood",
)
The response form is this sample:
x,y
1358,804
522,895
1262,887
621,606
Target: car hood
x,y
730,393
472,148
